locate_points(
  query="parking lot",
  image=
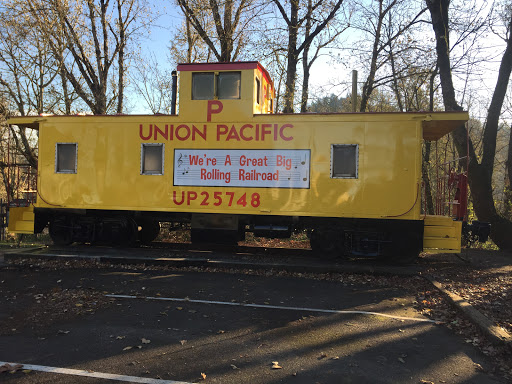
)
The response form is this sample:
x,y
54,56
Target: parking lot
x,y
196,326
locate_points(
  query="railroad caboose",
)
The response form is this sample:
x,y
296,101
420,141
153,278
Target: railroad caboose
x,y
226,164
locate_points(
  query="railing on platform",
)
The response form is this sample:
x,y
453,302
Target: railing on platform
x,y
449,190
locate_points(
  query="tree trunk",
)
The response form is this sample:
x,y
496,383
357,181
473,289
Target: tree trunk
x,y
508,180
293,58
480,175
305,63
120,59
368,84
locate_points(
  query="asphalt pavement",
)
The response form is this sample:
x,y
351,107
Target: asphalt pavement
x,y
192,327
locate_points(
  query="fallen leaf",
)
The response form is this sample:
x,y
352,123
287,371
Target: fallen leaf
x,y
183,342
203,375
127,348
10,368
426,382
145,341
275,365
120,337
401,360
234,366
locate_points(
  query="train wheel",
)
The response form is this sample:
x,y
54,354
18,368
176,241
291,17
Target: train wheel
x,y
124,232
149,231
406,249
327,243
61,231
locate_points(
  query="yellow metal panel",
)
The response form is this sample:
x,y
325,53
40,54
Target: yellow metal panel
x,y
441,243
21,220
442,234
109,159
439,231
109,155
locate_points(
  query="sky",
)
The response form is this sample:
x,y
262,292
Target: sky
x,y
159,40
324,71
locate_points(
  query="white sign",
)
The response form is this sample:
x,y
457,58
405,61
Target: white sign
x,y
260,168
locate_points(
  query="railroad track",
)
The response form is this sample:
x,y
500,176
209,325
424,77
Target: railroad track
x,y
219,256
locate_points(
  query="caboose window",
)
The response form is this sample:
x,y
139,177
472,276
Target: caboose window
x,y
223,85
228,85
65,157
344,161
202,86
152,159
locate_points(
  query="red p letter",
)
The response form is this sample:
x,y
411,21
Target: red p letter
x,y
211,110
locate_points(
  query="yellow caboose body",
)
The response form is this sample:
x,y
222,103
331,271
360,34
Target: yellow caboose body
x,y
227,164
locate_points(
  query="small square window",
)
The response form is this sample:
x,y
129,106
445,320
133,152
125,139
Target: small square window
x,y
65,157
228,85
152,159
202,86
344,161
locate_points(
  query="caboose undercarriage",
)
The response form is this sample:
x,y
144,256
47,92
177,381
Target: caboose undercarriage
x,y
394,240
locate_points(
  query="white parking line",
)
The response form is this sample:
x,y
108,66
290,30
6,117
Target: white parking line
x,y
273,307
99,375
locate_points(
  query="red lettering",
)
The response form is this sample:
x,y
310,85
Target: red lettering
x,y
181,128
191,196
176,200
233,134
141,130
164,133
196,131
246,138
231,196
221,130
211,110
206,196
218,198
281,132
265,130
228,160
193,159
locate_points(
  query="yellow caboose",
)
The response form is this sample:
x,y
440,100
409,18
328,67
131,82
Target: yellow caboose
x,y
226,164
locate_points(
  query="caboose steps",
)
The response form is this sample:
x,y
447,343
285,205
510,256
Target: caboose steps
x,y
441,234
21,220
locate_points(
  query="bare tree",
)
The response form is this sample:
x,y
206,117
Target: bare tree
x,y
480,174
230,18
332,31
187,46
382,24
295,20
95,34
153,85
